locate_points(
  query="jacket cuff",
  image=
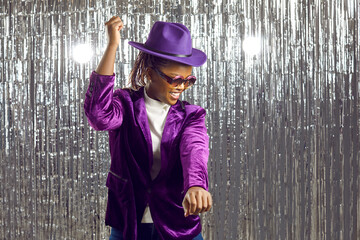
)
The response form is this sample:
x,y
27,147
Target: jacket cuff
x,y
203,185
98,81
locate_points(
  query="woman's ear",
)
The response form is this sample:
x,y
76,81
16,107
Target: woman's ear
x,y
148,74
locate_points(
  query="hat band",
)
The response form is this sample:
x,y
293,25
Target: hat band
x,y
170,54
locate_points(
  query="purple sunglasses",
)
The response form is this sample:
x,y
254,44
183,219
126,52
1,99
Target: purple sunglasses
x,y
178,80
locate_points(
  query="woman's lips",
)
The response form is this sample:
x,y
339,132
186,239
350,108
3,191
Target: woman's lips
x,y
175,95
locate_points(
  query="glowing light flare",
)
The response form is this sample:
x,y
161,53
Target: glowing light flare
x,y
82,53
252,45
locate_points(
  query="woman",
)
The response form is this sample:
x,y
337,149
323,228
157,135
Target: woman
x,y
158,181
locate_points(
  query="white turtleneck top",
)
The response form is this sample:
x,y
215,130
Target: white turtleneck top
x,y
156,113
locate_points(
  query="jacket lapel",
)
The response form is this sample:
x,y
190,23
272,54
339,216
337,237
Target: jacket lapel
x,y
171,131
141,119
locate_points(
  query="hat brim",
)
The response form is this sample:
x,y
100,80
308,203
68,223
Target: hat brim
x,y
196,59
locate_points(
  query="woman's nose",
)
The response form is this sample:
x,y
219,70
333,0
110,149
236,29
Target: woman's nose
x,y
181,86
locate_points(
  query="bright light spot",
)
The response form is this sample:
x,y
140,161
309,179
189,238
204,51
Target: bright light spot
x,y
82,53
252,45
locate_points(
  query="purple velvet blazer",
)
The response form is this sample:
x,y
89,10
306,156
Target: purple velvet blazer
x,y
184,156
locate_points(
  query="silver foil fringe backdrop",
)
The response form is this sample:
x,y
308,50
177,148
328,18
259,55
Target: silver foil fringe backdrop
x,y
283,124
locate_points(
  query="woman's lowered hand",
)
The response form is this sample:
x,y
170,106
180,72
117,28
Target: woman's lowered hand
x,y
197,200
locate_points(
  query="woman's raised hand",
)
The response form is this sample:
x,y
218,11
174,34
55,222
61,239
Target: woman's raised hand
x,y
113,27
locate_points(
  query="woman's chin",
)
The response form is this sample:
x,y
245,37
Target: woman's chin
x,y
172,101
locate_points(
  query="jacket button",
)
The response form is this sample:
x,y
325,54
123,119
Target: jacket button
x,y
91,89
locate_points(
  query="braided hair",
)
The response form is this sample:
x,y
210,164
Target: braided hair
x,y
142,63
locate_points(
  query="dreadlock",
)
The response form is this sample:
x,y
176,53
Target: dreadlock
x,y
138,72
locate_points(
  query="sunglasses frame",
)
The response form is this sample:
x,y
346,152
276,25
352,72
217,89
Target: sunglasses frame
x,y
172,81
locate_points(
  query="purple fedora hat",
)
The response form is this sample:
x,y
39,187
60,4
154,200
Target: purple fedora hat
x,y
171,41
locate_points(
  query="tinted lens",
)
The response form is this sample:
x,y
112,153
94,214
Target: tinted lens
x,y
191,80
177,81
188,82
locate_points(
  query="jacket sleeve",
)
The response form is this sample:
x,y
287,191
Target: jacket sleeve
x,y
194,152
104,112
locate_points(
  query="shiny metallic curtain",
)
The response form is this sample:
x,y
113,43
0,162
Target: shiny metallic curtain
x,y
283,123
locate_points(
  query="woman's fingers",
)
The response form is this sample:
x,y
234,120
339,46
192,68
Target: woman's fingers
x,y
199,204
197,200
205,202
115,22
114,18
209,201
113,26
186,205
193,203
